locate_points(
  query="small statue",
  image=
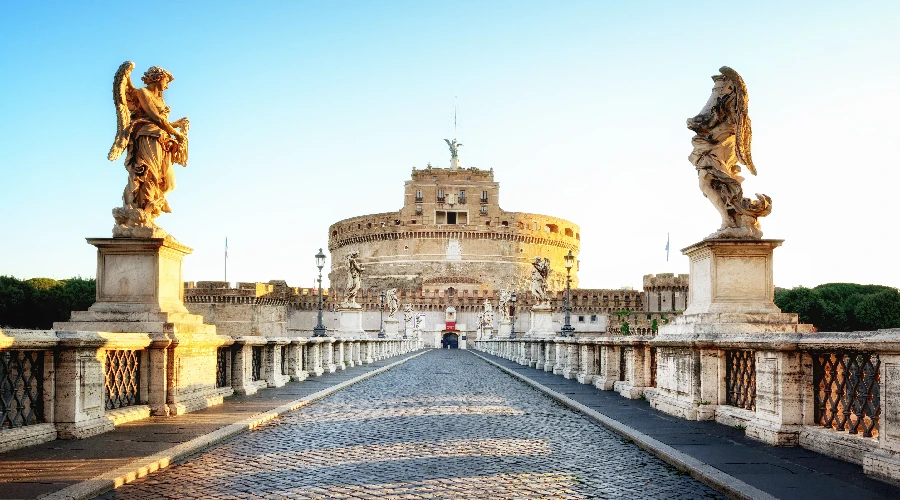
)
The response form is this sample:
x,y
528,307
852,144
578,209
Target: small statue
x,y
721,143
419,319
505,296
393,302
487,318
539,276
153,144
454,152
408,315
354,271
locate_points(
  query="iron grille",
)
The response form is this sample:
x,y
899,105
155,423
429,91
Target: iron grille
x,y
256,363
847,389
652,367
740,379
123,379
623,367
21,388
284,360
222,367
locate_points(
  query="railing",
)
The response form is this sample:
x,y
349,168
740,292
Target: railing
x,y
623,364
652,367
284,360
256,363
847,391
123,379
21,388
740,379
222,367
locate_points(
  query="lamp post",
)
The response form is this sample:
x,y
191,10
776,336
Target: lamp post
x,y
381,317
512,326
319,330
567,329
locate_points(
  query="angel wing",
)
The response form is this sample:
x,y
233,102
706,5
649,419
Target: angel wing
x,y
122,86
743,130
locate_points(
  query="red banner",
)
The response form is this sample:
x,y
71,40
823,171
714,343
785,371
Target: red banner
x,y
451,326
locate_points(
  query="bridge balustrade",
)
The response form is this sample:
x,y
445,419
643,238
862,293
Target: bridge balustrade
x,y
835,393
72,385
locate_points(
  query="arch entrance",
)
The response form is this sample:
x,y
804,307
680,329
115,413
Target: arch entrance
x,y
450,340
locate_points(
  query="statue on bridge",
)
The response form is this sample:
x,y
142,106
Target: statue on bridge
x,y
539,276
354,271
408,315
393,302
152,144
487,318
721,143
502,304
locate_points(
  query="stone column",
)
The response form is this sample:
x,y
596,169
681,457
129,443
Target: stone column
x,y
561,361
328,362
571,369
540,357
314,357
588,366
296,363
549,355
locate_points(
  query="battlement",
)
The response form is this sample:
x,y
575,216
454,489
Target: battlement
x,y
666,280
470,174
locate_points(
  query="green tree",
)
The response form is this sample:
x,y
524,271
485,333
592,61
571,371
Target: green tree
x,y
39,302
843,307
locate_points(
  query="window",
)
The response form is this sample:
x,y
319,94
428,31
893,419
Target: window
x,y
484,210
419,195
440,196
462,195
505,223
418,209
581,319
451,217
484,196
593,318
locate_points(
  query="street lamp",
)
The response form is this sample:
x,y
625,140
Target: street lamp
x,y
512,326
567,329
319,330
381,318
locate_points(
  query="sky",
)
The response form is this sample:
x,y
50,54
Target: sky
x,y
305,113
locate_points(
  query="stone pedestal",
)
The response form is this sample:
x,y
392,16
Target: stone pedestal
x,y
487,333
140,290
351,323
541,323
730,299
392,328
504,330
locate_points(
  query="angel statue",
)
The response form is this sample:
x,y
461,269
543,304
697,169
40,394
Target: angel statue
x,y
721,145
354,271
487,318
393,302
539,276
408,315
502,302
152,144
454,152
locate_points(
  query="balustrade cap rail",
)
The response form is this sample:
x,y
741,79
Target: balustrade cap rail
x,y
28,339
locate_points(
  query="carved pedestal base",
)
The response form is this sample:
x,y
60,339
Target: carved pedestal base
x,y
541,324
504,330
392,328
350,325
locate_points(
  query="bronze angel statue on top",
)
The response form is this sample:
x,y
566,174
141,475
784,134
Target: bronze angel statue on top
x,y
151,144
721,145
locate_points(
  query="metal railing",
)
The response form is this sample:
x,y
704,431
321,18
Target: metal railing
x,y
21,388
652,367
847,391
284,360
123,379
256,363
222,367
740,379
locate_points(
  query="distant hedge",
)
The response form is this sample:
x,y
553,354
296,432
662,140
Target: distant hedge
x,y
38,302
843,307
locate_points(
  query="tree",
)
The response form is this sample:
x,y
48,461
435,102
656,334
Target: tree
x,y
843,307
39,302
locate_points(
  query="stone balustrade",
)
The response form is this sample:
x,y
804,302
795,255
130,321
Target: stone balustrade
x,y
835,393
75,384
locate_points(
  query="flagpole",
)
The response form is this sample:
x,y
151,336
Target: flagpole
x,y
226,258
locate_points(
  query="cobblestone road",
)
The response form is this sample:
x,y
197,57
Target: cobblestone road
x,y
443,425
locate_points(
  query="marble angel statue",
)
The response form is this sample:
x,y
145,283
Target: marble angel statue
x,y
393,302
354,273
721,145
539,276
503,304
152,144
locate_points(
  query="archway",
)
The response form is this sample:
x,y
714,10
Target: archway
x,y
450,340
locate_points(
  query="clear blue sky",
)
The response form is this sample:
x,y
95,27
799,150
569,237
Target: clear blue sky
x,y
305,113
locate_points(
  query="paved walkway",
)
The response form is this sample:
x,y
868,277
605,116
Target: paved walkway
x,y
443,425
782,472
52,467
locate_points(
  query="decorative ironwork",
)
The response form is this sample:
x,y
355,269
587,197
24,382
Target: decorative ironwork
x,y
740,379
123,379
21,388
256,363
652,367
623,364
222,367
284,360
847,391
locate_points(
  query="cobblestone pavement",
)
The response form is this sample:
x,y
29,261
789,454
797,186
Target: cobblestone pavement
x,y
443,425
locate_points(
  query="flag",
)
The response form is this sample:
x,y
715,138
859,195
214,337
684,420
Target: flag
x,y
667,247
